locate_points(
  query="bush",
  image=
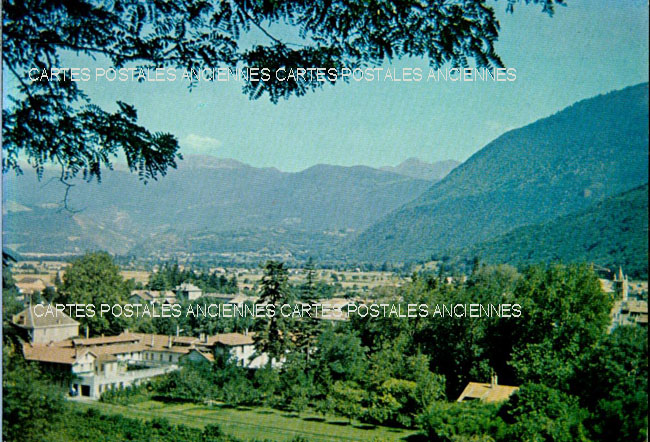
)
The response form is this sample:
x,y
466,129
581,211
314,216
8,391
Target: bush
x,y
462,420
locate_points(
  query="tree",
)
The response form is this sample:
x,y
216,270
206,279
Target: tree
x,y
564,311
455,421
306,330
339,356
30,404
274,338
95,279
346,398
613,384
55,122
537,412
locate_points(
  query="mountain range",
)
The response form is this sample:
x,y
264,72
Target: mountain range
x,y
558,165
208,198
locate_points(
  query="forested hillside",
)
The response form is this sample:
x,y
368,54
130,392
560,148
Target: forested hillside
x,y
558,165
612,233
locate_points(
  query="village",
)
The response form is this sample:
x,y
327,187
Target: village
x,y
94,365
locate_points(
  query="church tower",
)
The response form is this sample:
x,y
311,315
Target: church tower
x,y
620,285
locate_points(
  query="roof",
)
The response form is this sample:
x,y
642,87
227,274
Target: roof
x,y
487,392
102,340
187,287
231,339
30,285
41,316
31,280
106,348
146,295
208,356
150,295
161,343
118,349
52,353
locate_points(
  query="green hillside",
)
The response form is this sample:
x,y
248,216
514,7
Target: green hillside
x,y
611,233
558,165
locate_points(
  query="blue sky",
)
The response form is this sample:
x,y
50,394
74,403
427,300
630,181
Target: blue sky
x,y
587,48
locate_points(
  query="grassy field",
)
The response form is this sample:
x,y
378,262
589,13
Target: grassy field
x,y
254,422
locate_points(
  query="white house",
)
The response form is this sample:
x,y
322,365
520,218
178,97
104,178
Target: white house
x,y
42,323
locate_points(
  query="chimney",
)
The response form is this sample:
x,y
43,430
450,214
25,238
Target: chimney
x,y
494,380
178,330
87,332
169,341
152,340
246,331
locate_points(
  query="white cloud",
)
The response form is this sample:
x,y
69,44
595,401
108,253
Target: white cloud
x,y
200,144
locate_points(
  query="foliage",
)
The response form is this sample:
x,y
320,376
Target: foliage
x,y
30,404
275,338
10,304
305,331
576,380
462,421
92,425
339,356
130,394
192,382
95,279
611,233
537,412
614,384
564,312
346,398
171,275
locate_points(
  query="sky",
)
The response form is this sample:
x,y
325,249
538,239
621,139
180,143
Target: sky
x,y
587,48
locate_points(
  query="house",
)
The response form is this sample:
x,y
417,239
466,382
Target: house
x,y
98,364
104,363
241,347
188,291
337,309
491,392
42,323
30,285
196,355
628,309
219,297
149,296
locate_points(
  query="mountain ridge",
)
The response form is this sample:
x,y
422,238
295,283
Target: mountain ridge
x,y
557,165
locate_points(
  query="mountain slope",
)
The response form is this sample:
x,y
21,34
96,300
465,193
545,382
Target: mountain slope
x,y
557,165
416,168
612,232
205,195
